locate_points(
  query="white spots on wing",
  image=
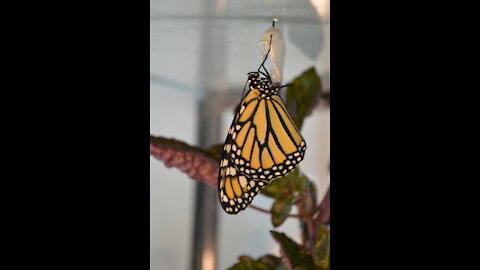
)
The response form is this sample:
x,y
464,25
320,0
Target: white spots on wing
x,y
243,180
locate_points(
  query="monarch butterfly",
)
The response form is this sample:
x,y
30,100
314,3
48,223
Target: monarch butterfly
x,y
262,143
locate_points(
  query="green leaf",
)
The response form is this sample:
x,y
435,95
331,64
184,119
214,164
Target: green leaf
x,y
251,265
280,210
321,252
297,256
272,261
284,186
303,95
245,258
278,188
299,182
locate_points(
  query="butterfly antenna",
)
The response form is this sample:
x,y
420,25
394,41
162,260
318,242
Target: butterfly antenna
x,y
244,87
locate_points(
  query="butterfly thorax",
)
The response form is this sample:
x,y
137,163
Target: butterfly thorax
x,y
263,85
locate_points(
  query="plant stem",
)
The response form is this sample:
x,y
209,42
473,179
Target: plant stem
x,y
269,212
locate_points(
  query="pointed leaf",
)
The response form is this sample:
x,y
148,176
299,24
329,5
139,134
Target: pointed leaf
x,y
250,265
303,95
295,254
245,258
280,210
321,252
283,186
272,261
300,182
278,188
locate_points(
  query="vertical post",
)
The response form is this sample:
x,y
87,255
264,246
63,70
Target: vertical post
x,y
211,77
206,201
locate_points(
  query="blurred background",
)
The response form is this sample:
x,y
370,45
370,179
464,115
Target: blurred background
x,y
200,52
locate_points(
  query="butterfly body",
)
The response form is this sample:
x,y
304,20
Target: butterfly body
x,y
262,144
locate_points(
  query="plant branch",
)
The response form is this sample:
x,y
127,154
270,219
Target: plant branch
x,y
269,212
198,164
323,210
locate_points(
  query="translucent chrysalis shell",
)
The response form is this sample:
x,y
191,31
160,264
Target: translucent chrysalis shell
x,y
277,52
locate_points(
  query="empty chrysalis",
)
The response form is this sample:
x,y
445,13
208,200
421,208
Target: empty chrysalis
x,y
277,51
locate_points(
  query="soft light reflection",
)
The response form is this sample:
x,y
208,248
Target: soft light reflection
x,y
322,7
220,6
208,260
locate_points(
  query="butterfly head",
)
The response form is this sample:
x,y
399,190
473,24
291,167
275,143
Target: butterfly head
x,y
253,75
255,82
